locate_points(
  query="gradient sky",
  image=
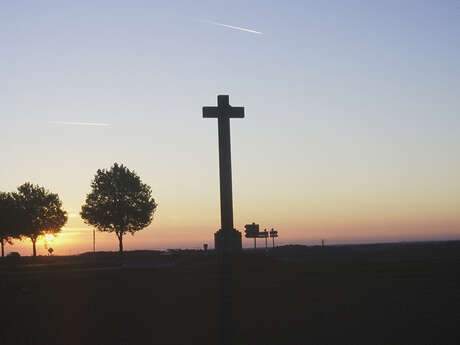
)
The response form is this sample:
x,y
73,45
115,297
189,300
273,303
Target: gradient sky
x,y
351,129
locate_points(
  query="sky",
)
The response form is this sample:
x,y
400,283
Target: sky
x,y
351,128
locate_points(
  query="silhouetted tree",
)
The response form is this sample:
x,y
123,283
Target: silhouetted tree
x,y
9,220
119,202
43,213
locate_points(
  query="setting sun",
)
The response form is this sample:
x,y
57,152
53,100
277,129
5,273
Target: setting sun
x,y
49,237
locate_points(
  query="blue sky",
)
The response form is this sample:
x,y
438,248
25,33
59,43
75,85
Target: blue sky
x,y
351,110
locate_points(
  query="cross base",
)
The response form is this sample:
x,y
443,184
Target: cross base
x,y
235,238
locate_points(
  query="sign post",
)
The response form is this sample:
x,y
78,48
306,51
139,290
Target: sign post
x,y
273,234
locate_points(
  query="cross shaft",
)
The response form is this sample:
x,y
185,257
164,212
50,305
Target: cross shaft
x,y
223,112
225,239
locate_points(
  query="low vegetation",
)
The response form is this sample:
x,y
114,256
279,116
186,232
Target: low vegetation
x,y
381,294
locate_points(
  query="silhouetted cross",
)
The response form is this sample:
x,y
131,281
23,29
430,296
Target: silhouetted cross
x,y
223,112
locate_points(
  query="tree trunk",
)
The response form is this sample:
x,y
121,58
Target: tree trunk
x,y
120,241
34,240
3,248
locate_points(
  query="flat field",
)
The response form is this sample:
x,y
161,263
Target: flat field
x,y
366,294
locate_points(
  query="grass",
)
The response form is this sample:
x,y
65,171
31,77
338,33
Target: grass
x,y
335,295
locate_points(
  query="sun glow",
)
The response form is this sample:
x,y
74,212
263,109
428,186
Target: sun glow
x,y
49,237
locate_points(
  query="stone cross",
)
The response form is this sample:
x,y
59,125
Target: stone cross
x,y
223,112
227,239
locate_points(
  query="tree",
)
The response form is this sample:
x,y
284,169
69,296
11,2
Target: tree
x,y
43,213
119,202
9,220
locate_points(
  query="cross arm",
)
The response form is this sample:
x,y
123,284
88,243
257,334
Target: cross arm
x,y
210,112
237,112
231,112
223,109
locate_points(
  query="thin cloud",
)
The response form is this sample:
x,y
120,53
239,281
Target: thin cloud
x,y
67,123
235,27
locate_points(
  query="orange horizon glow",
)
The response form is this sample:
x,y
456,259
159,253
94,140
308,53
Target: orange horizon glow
x,y
301,216
76,240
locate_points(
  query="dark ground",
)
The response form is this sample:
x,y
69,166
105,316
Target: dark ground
x,y
368,294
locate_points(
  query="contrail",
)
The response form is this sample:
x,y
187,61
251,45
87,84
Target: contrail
x,y
80,123
235,27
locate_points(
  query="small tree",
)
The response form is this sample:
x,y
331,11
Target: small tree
x,y
9,220
119,202
43,213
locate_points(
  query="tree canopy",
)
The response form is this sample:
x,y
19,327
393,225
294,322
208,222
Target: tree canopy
x,y
42,212
119,202
10,219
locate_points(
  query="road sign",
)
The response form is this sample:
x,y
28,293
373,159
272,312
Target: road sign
x,y
263,234
252,230
273,233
